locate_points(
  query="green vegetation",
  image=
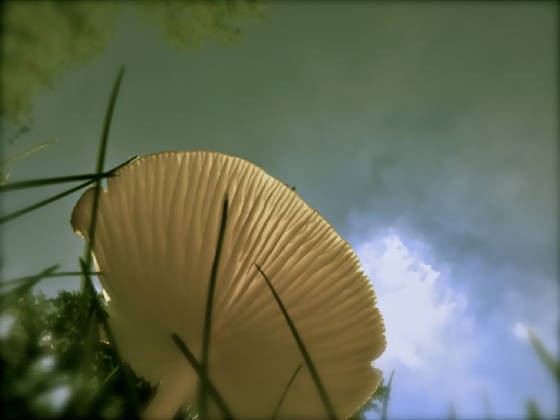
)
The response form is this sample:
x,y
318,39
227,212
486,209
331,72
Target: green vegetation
x,y
56,360
41,41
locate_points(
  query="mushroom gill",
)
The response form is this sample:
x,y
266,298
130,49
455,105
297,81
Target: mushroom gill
x,y
158,227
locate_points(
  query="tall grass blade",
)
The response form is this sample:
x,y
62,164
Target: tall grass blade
x,y
100,162
202,396
212,390
86,261
283,396
308,361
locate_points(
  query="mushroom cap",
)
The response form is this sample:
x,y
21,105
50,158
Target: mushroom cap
x,y
157,229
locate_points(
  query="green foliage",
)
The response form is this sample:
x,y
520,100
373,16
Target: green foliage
x,y
42,40
188,24
379,401
55,349
551,364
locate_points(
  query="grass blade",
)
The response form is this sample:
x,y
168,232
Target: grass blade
x,y
58,196
85,263
32,183
27,283
308,361
283,396
28,152
387,396
552,365
43,203
47,181
212,390
7,283
72,274
99,167
202,396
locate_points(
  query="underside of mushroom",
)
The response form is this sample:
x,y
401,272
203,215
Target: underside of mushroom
x,y
211,249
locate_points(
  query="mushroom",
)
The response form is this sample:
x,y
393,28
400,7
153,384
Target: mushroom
x,y
161,226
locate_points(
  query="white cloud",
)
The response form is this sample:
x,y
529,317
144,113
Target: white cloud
x,y
437,342
430,336
418,309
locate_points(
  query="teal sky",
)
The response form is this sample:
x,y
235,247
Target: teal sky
x,y
425,132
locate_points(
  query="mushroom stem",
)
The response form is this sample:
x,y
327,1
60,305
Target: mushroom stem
x,y
212,390
202,397
310,365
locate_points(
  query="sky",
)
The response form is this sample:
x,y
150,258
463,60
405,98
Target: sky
x,y
426,133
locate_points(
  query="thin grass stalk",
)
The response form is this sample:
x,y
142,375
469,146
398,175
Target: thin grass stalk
x,y
212,390
27,152
32,183
72,274
552,365
285,392
86,261
28,283
387,396
202,396
56,197
303,349
17,280
43,203
99,167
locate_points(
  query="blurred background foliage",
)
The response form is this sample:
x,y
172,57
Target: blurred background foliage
x,y
42,40
56,361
